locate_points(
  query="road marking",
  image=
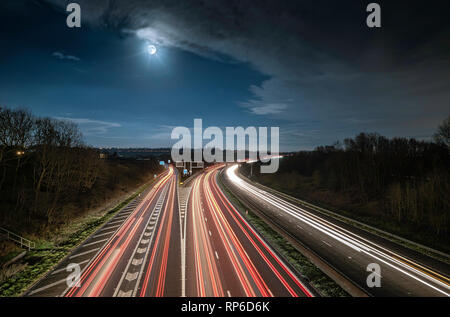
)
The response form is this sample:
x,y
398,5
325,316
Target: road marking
x,y
104,234
217,256
83,253
300,227
95,242
124,294
110,227
121,217
114,222
137,261
47,286
326,243
131,276
162,199
210,233
229,294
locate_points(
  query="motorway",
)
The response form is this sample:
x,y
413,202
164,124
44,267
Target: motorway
x,y
129,255
347,250
225,256
190,240
162,245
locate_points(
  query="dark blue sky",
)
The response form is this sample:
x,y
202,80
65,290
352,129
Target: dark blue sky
x,y
229,64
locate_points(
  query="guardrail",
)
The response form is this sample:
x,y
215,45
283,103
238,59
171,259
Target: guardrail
x,y
24,243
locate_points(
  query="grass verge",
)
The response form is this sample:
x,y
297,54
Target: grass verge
x,y
39,261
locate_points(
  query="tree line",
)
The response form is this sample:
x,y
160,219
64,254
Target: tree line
x,y
409,178
45,168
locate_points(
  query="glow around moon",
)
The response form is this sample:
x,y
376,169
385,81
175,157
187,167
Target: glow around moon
x,y
152,49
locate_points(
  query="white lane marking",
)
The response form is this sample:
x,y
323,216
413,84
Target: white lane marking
x,y
161,200
114,222
326,243
131,276
110,227
136,250
47,286
210,233
137,261
83,253
228,293
300,227
104,234
348,238
217,256
124,294
65,269
95,242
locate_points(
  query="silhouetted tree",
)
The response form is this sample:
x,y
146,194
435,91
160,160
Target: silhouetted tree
x,y
442,135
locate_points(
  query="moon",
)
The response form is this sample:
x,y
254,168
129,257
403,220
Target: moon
x,y
152,49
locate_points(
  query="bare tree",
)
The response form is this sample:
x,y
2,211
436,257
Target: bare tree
x,y
16,135
442,136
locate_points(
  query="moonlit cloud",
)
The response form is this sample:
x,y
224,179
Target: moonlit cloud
x,y
62,56
92,127
318,55
268,109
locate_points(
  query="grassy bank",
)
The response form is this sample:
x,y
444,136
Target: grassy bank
x,y
320,281
48,252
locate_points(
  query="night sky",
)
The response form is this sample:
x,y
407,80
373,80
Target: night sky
x,y
313,68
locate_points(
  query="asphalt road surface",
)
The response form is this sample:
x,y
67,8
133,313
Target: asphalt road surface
x,y
129,255
225,256
191,241
162,245
348,250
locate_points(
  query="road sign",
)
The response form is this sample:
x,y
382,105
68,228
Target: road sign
x,y
179,164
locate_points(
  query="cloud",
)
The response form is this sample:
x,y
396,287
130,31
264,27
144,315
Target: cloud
x,y
323,64
268,109
62,56
92,127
